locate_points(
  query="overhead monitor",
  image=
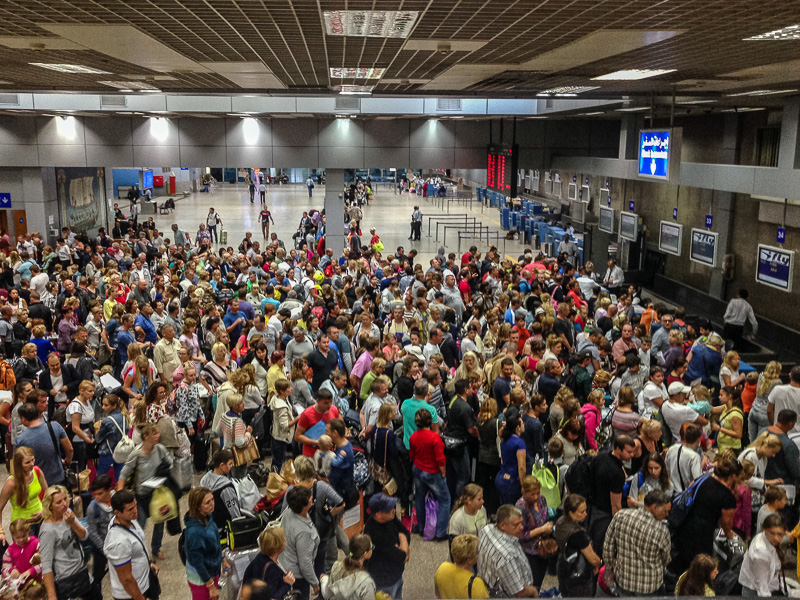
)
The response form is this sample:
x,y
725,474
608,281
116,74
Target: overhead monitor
x,y
147,179
670,238
775,267
704,247
607,219
501,168
629,226
535,181
604,194
577,211
659,153
557,187
548,184
572,192
585,193
527,179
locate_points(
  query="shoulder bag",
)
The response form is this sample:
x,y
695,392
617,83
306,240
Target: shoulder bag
x,y
77,584
380,473
154,588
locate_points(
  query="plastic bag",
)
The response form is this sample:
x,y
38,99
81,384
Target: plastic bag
x,y
163,505
182,472
247,492
431,511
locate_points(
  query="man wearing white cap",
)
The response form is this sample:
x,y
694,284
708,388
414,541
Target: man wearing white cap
x,y
676,413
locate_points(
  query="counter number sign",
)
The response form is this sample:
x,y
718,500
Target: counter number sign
x,y
781,235
631,205
675,213
709,220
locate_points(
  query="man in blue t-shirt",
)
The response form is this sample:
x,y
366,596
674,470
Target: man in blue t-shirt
x,y
410,407
144,324
234,320
47,447
125,338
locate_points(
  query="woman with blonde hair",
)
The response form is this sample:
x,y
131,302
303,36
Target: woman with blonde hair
x,y
470,364
265,567
456,579
23,489
767,380
729,375
138,379
765,446
488,463
469,514
553,347
349,578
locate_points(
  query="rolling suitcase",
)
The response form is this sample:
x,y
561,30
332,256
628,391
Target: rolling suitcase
x,y
223,236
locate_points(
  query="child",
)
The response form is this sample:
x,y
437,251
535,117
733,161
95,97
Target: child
x,y
555,452
743,517
324,455
98,516
644,354
748,397
22,561
774,502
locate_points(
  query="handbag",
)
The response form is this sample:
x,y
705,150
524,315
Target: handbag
x,y
246,454
242,533
381,474
75,586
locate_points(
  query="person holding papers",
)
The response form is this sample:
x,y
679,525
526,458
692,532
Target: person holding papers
x,y
313,421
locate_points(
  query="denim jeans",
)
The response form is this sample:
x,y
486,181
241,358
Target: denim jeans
x,y
213,230
756,423
105,463
158,528
278,454
436,485
458,472
395,591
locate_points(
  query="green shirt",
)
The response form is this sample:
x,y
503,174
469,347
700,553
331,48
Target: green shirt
x,y
408,410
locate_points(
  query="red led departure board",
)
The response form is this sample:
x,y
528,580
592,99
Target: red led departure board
x,y
501,166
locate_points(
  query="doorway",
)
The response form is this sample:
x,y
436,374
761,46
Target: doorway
x,y
20,222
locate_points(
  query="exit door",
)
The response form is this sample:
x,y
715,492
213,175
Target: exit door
x,y
20,222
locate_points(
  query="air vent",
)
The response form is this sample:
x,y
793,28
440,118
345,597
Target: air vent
x,y
448,104
111,100
9,99
348,103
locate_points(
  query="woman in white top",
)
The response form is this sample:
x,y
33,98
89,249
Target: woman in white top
x,y
729,372
763,564
15,302
95,325
80,415
765,446
653,394
469,515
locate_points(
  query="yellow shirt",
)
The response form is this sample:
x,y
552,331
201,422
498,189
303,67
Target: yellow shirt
x,y
452,582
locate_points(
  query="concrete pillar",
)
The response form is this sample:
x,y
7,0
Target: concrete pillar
x,y
334,210
788,156
41,201
628,139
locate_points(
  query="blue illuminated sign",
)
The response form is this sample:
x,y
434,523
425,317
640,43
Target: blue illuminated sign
x,y
654,154
781,235
709,220
675,213
5,200
775,267
147,180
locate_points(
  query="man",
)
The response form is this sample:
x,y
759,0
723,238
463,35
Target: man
x,y
310,185
533,436
234,320
298,346
218,481
608,479
432,347
416,224
362,366
322,361
145,326
461,426
69,292
683,461
503,384
737,313
676,413
625,344
410,407
452,297
569,248
48,441
313,420
165,354
633,377
125,549
379,395
179,237
785,397
637,547
786,463
502,564
396,326
590,342
140,271
213,219
583,380
660,339
614,277
141,293
390,540
549,382
38,310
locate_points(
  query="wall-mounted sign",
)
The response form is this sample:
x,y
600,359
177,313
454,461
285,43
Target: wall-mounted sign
x,y
781,235
675,213
147,180
629,226
607,220
631,205
670,238
775,267
709,220
704,247
5,200
501,165
654,153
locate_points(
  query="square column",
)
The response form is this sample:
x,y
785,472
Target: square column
x,y
334,211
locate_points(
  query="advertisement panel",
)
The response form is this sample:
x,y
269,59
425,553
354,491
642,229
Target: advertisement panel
x,y
775,267
81,195
704,247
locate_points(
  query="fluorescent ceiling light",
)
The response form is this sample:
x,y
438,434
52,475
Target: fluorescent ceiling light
x,y
633,109
129,85
572,90
761,93
355,89
370,23
633,74
786,33
592,114
65,68
743,109
357,72
154,90
697,102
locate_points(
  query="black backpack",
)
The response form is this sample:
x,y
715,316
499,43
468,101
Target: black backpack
x,y
580,476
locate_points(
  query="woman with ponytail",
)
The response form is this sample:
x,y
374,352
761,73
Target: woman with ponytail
x,y
349,580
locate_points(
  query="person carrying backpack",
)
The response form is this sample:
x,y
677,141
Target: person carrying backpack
x,y
112,442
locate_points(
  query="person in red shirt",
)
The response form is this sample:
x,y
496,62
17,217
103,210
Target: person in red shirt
x,y
426,450
323,411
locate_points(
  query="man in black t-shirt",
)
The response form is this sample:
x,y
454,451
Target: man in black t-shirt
x,y
390,541
608,479
461,424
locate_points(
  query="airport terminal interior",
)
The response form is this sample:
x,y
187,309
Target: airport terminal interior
x,y
663,135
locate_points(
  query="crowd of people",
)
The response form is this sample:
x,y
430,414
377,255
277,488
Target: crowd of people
x,y
536,416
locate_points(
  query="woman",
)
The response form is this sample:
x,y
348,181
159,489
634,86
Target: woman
x,y
384,447
456,579
113,428
301,397
469,515
260,363
731,421
64,570
302,541
678,373
771,377
578,564
762,568
488,463
276,370
571,434
80,415
652,476
554,346
9,410
283,422
764,447
729,375
699,579
189,339
215,372
187,401
592,416
513,456
149,460
674,351
376,369
714,507
66,329
265,567
647,442
138,379
233,432
535,528
22,489
29,365
469,364
625,420
15,302
426,450
654,393
349,579
203,551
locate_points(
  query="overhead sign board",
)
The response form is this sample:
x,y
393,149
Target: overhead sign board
x,y
501,166
775,267
659,153
670,238
5,200
704,247
147,180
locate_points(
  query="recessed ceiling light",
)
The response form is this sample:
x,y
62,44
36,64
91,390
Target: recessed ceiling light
x,y
786,33
124,112
633,109
633,74
357,72
697,102
128,85
761,93
65,68
592,114
353,90
153,91
571,90
743,109
370,23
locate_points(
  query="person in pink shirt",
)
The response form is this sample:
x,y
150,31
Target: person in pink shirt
x,y
21,561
